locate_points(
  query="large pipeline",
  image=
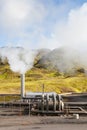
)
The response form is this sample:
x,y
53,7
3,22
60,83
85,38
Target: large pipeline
x,y
50,103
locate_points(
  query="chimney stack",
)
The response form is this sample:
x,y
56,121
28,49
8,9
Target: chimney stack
x,y
22,85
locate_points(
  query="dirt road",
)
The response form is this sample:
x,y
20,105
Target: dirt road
x,y
41,123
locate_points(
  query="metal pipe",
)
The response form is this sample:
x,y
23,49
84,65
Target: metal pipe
x,y
47,102
43,102
22,85
61,104
54,102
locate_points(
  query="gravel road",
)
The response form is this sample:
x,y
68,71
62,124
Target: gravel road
x,y
42,123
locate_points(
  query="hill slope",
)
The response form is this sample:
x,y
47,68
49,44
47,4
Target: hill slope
x,y
44,72
36,77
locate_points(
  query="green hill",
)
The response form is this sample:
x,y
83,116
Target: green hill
x,y
36,77
44,72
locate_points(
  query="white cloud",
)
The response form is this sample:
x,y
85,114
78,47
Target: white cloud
x,y
39,25
73,32
19,13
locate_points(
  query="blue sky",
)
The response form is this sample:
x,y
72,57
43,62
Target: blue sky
x,y
41,23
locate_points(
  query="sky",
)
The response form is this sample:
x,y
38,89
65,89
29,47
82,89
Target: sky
x,y
43,23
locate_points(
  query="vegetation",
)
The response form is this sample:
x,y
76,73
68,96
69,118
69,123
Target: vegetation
x,y
36,77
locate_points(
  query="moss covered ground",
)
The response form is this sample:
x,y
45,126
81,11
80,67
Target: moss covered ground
x,y
36,77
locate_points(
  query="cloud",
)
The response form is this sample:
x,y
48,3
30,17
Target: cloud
x,y
20,13
71,34
73,31
43,24
29,21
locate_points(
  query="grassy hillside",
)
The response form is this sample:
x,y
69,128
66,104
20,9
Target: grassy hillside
x,y
36,77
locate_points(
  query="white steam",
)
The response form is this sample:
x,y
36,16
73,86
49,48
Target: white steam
x,y
19,59
73,31
70,36
67,59
36,24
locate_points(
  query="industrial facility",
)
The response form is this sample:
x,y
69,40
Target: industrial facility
x,y
43,103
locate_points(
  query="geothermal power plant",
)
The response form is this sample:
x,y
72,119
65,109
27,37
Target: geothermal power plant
x,y
43,103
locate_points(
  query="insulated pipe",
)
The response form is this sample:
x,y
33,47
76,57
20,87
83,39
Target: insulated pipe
x,y
54,102
22,85
43,102
59,102
47,102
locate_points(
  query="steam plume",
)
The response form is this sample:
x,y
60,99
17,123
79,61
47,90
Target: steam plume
x,y
19,59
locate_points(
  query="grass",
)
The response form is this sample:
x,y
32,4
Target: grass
x,y
36,77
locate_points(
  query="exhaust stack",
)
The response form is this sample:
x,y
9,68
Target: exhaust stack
x,y
22,85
